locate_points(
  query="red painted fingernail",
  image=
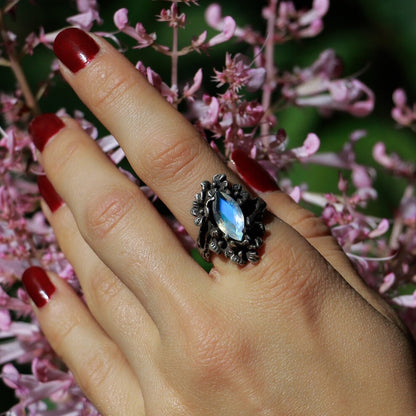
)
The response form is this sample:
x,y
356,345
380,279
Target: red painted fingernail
x,y
253,173
43,127
49,194
75,48
38,286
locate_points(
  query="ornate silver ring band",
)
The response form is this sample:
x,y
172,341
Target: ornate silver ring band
x,y
230,221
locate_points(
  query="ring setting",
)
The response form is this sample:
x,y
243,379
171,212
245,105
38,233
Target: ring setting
x,y
230,221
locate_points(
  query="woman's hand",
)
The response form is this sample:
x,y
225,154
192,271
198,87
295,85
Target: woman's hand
x,y
296,334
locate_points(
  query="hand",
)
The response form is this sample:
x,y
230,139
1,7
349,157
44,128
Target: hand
x,y
296,334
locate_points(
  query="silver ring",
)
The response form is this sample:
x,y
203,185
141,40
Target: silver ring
x,y
230,221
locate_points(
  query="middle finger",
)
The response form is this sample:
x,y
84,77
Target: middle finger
x,y
117,220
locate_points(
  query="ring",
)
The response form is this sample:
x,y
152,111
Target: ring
x,y
230,221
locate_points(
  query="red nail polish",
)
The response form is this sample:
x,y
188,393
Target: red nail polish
x,y
49,194
38,286
43,127
253,173
75,48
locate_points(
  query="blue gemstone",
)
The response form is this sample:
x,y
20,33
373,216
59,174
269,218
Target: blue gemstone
x,y
228,216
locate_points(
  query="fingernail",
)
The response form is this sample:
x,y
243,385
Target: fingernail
x,y
253,173
38,286
43,127
49,194
75,48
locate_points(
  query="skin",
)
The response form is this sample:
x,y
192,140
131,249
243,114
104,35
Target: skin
x,y
297,334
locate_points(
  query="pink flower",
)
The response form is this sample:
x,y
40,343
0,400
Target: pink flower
x,y
351,96
319,86
248,114
407,211
402,113
190,90
388,282
47,382
226,25
138,33
207,111
172,16
88,14
408,301
309,148
381,229
156,80
121,19
238,73
393,162
300,23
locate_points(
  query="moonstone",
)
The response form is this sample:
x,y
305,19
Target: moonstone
x,y
228,216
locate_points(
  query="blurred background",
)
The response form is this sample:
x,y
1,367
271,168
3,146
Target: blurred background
x,y
375,39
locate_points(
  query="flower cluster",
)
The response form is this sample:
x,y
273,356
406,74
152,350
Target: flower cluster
x,y
241,114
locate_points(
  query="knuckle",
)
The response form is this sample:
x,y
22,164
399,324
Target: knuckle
x,y
175,160
62,154
96,368
301,279
290,275
104,289
60,335
109,212
110,88
216,351
66,233
308,224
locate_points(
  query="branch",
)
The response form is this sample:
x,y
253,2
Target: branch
x,y
269,56
14,63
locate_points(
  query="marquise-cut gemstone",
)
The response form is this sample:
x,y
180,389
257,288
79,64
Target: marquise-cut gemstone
x,y
228,216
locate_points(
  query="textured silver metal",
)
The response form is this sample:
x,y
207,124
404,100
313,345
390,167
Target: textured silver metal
x,y
211,238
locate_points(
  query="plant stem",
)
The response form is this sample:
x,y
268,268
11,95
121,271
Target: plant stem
x,y
174,58
270,69
29,98
174,74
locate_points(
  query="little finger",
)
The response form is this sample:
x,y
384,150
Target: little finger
x,y
116,219
98,365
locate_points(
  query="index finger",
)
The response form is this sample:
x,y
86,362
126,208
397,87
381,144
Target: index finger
x,y
163,148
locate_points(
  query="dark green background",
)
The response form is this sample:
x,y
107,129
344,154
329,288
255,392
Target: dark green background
x,y
375,38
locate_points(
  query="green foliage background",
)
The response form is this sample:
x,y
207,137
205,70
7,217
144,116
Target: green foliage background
x,y
374,38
